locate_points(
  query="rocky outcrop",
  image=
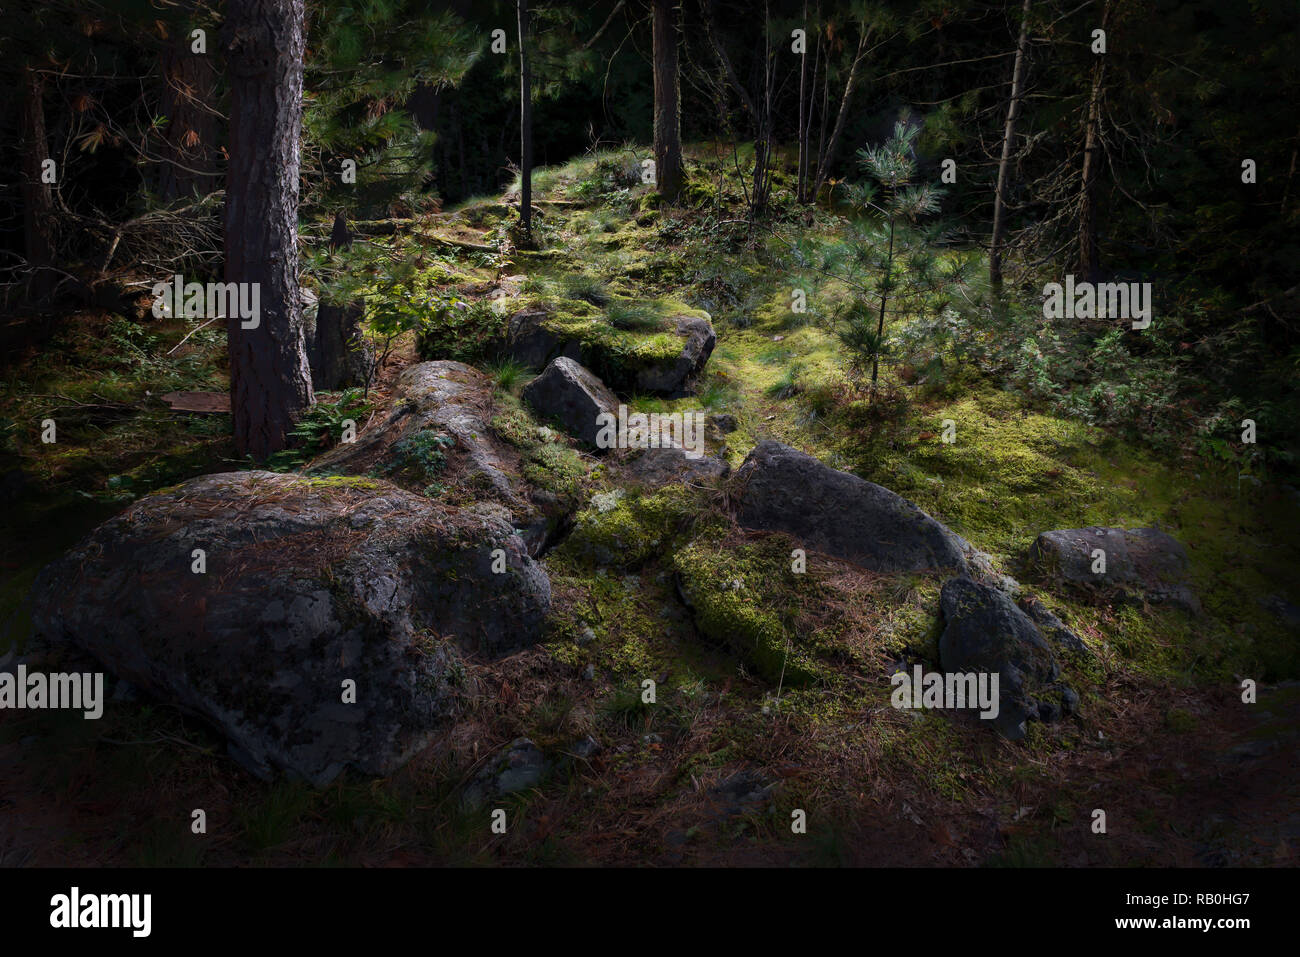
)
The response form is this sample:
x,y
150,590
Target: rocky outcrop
x,y
261,602
676,375
622,358
437,429
778,488
985,632
571,395
1140,562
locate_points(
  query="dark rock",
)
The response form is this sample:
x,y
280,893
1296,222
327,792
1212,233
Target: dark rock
x,y
532,343
723,422
1052,627
521,766
572,396
670,464
675,377
443,398
1142,560
985,632
309,582
742,791
782,489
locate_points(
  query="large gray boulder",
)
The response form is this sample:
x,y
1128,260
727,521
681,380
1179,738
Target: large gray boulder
x,y
308,584
437,430
985,632
1141,561
571,395
779,488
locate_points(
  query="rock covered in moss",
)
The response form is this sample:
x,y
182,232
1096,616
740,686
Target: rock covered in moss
x,y
984,632
307,584
779,488
1145,561
573,396
665,359
674,376
434,399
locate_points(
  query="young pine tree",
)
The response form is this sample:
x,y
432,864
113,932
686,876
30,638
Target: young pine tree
x,y
890,257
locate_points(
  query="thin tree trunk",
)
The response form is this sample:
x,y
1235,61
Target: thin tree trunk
x,y
880,327
38,198
1008,135
336,349
803,108
824,161
525,129
668,125
1089,253
270,381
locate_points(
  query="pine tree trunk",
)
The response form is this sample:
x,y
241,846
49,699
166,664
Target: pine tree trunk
x,y
803,110
1089,253
38,198
525,129
336,349
190,155
668,126
1008,136
270,382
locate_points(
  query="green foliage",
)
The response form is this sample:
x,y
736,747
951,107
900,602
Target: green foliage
x,y
319,429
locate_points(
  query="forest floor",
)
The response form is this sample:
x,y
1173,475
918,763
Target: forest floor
x,y
1186,773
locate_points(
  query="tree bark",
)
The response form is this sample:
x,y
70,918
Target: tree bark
x,y
1089,253
38,197
668,126
803,108
1008,135
525,129
189,91
336,349
270,381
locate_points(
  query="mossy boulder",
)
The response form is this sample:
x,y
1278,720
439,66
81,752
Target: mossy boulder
x,y
779,488
306,585
664,357
742,599
434,399
1142,561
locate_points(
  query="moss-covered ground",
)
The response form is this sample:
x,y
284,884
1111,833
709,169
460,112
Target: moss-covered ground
x,y
755,666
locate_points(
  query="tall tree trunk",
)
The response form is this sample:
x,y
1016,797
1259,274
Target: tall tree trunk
x,y
189,91
1089,253
803,108
525,129
1008,135
668,124
38,198
270,382
824,160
